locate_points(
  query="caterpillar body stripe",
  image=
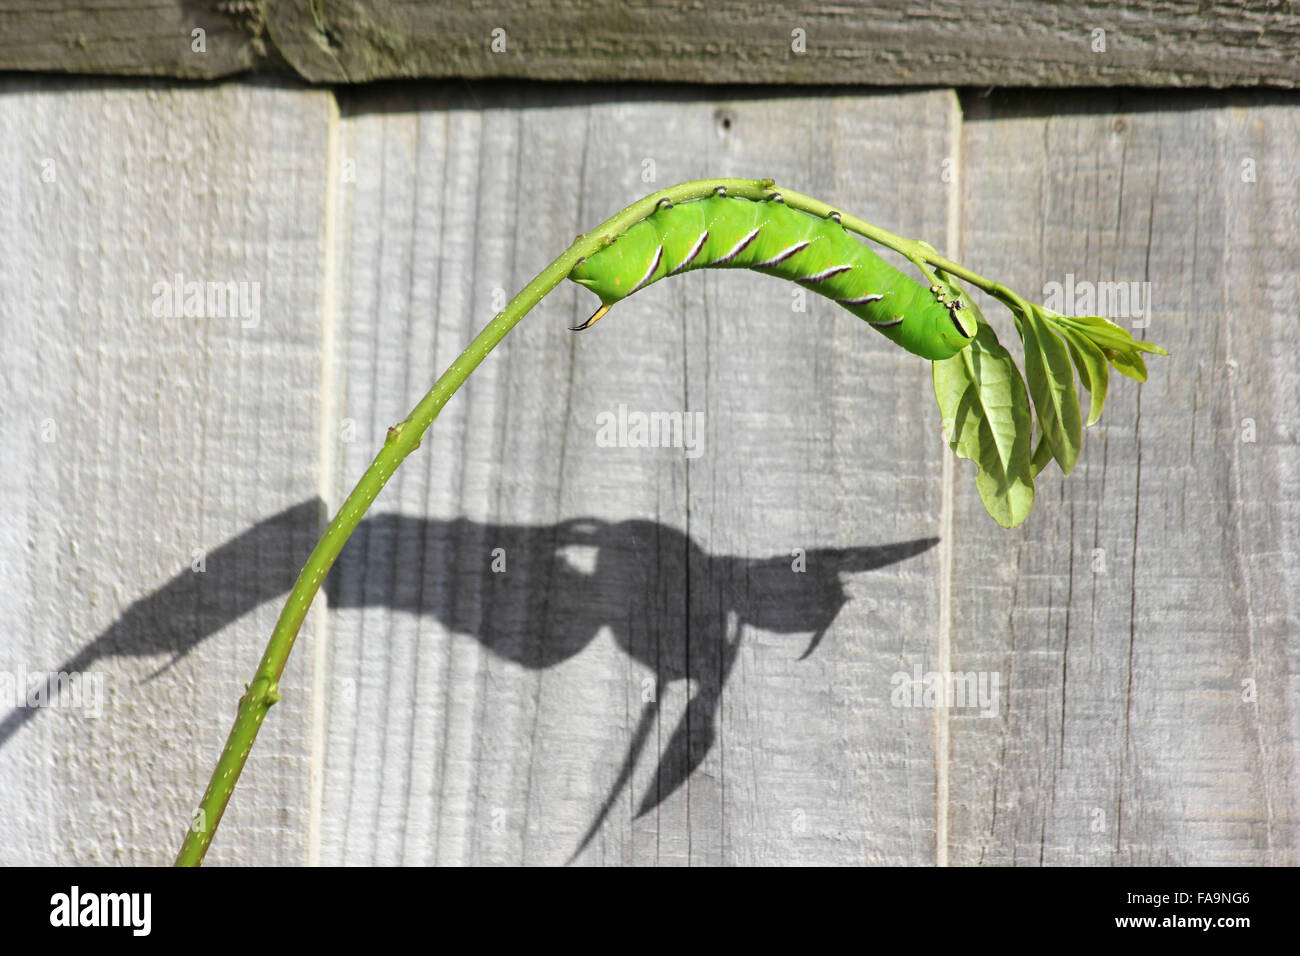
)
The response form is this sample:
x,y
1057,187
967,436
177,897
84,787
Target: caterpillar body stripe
x,y
770,237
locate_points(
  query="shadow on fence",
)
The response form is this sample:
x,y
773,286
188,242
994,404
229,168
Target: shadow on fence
x,y
532,594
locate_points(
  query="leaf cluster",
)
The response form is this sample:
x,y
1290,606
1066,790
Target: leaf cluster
x,y
986,405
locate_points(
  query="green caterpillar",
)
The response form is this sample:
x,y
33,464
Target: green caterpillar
x,y
721,232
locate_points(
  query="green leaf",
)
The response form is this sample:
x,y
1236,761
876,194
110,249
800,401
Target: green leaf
x,y
1128,362
985,410
1051,384
1093,370
1103,332
1042,455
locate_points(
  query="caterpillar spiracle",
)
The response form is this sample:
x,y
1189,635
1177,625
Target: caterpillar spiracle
x,y
723,232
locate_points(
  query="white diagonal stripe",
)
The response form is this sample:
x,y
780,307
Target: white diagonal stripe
x,y
695,251
735,250
824,274
780,256
654,264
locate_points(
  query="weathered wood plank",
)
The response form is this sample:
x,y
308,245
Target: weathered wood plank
x,y
148,38
493,726
1127,612
136,443
891,42
469,716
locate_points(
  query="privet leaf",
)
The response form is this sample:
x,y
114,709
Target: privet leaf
x,y
1042,455
1051,385
1105,333
1116,344
985,402
1128,362
1093,370
985,411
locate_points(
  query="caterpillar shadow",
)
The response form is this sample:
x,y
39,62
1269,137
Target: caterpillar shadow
x,y
536,595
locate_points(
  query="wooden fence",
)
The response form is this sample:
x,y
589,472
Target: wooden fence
x,y
547,644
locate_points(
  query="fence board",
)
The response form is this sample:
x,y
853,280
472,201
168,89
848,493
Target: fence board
x,y
467,716
134,441
878,42
1127,612
493,727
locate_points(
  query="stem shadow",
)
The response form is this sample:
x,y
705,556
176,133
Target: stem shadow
x,y
535,595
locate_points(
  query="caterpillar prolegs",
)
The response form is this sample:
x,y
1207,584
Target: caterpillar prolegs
x,y
722,232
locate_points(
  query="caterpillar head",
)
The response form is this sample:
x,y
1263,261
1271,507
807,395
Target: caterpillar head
x,y
935,333
963,325
956,326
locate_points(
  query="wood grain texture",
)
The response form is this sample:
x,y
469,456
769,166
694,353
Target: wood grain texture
x,y
491,726
135,38
137,444
1126,614
468,716
881,42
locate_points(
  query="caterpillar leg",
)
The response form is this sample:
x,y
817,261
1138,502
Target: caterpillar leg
x,y
596,315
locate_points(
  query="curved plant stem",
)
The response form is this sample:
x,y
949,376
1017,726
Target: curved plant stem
x,y
405,437
402,439
918,253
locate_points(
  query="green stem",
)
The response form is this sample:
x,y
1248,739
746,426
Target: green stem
x,y
405,437
918,253
401,441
